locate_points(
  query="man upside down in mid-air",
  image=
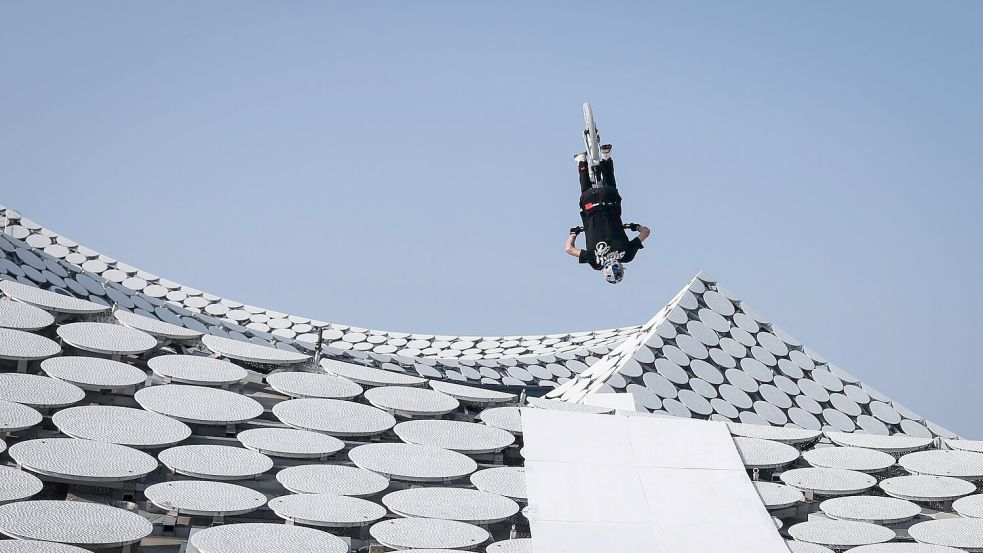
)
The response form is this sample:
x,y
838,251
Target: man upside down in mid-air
x,y
608,247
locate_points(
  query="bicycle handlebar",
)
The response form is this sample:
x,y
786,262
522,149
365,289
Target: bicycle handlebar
x,y
630,226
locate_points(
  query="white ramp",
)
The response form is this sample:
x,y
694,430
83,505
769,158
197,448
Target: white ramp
x,y
617,483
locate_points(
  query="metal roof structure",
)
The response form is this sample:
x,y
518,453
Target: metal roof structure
x,y
194,422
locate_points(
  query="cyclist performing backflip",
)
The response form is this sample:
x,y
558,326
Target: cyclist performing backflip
x,y
608,247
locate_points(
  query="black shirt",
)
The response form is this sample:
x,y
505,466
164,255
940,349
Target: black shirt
x,y
600,211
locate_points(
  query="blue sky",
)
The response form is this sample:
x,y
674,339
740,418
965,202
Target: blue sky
x,y
407,165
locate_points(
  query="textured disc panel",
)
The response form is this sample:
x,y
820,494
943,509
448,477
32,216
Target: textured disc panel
x,y
774,433
896,547
49,301
325,509
957,464
334,417
961,533
73,522
120,425
154,327
411,402
926,488
17,485
505,418
333,479
849,458
32,546
515,545
405,533
462,504
313,385
106,338
251,353
93,373
465,437
828,481
840,534
14,416
969,506
778,496
806,547
204,498
966,445
887,444
764,454
566,406
195,369
22,316
505,481
472,395
82,460
197,404
865,508
368,376
287,442
414,463
17,345
215,462
265,538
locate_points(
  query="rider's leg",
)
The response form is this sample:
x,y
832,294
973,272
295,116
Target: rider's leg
x,y
607,172
585,182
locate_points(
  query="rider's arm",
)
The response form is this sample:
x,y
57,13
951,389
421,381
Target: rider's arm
x,y
569,247
643,233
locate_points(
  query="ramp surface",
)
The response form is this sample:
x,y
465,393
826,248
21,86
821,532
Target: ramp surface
x,y
616,483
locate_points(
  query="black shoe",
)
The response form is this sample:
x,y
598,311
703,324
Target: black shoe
x,y
606,149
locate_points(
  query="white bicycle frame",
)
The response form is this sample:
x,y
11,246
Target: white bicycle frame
x,y
592,141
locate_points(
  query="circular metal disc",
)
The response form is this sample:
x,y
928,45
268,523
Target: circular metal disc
x,y
14,417
22,316
887,444
333,479
411,462
290,443
32,546
840,534
957,464
764,454
514,545
784,435
367,376
926,488
196,369
325,509
970,506
120,425
806,547
49,301
778,496
505,481
313,385
473,395
215,462
904,547
251,353
106,338
93,373
406,533
92,524
961,533
265,538
505,418
474,506
828,481
465,437
82,460
333,416
411,402
204,498
17,345
198,404
17,485
155,327
849,458
966,445
865,508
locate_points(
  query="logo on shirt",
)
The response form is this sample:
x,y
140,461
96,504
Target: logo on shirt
x,y
602,252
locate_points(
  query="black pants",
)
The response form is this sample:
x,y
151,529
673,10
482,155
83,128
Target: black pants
x,y
607,174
